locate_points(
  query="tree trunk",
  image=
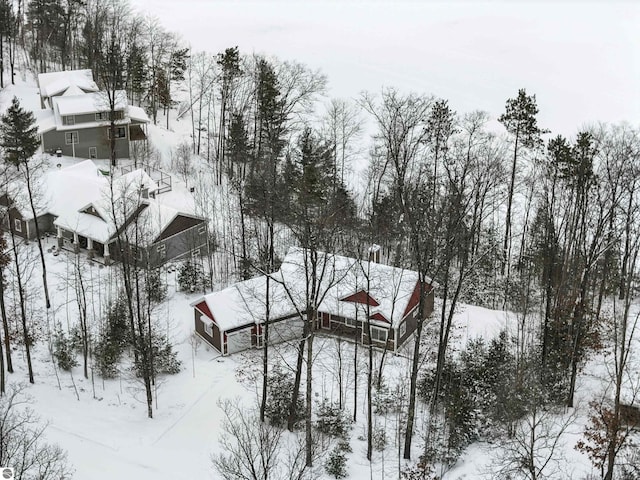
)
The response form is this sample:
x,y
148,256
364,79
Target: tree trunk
x,y
355,373
507,230
309,399
293,406
265,352
5,325
38,240
369,392
23,313
411,411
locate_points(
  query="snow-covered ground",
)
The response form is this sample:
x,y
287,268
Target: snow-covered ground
x,y
103,425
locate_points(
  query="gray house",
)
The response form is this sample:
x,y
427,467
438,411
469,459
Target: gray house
x,y
76,117
106,217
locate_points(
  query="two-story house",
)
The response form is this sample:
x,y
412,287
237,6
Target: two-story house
x,y
77,116
107,217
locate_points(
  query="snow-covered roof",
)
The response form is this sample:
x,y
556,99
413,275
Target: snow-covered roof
x,y
244,303
71,191
45,120
81,199
54,83
137,114
89,103
151,221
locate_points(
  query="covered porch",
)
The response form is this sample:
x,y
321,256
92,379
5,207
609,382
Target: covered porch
x,y
74,242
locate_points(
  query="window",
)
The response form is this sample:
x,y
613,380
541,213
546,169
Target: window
x,y
120,132
402,330
17,225
102,116
93,152
378,334
69,120
208,326
202,229
162,250
71,138
350,322
195,253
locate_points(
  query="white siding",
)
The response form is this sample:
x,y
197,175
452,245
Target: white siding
x,y
285,330
239,341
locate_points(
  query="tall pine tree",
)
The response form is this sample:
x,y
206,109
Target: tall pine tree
x,y
520,121
19,140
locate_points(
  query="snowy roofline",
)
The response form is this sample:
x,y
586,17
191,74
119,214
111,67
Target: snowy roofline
x,y
243,303
52,83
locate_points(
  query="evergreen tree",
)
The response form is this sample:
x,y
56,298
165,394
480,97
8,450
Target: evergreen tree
x,y
175,68
20,141
261,187
18,134
520,121
229,63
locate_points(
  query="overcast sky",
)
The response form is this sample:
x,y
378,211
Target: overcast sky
x,y
581,59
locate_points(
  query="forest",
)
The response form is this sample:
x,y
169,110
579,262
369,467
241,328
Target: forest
x,y
504,215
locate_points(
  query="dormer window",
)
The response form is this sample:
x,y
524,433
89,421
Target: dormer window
x,y
91,210
69,120
102,116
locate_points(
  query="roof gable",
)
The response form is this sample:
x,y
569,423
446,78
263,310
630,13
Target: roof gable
x,y
204,308
361,297
380,317
179,223
92,210
415,298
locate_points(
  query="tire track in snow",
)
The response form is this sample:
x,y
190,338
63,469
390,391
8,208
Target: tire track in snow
x,y
121,458
82,437
186,412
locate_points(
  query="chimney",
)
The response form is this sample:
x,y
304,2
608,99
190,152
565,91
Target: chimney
x,y
374,253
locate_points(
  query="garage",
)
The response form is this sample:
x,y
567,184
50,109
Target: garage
x,y
238,341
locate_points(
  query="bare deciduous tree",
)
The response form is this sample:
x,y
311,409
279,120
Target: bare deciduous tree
x,y
256,450
22,441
